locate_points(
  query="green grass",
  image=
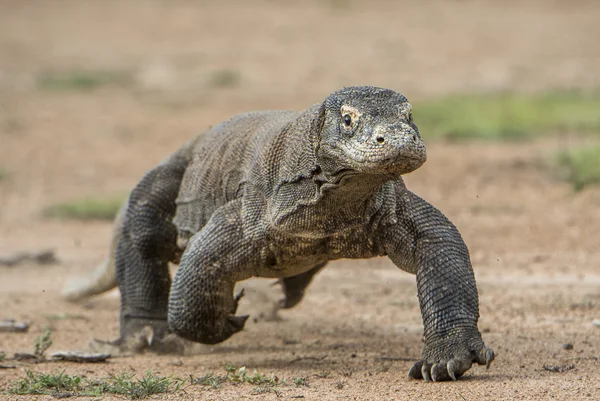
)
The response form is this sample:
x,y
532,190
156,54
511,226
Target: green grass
x,y
508,115
209,381
42,343
581,166
126,384
40,383
225,79
61,384
86,209
237,376
82,80
301,381
3,174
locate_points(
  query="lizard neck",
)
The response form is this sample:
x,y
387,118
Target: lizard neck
x,y
346,187
304,191
323,206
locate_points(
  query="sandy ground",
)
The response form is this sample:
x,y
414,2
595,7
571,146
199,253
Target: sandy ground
x,y
534,243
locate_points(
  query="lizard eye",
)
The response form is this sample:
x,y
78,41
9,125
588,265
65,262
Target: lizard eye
x,y
410,118
347,120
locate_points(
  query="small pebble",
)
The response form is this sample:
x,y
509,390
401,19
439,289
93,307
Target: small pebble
x,y
596,322
568,346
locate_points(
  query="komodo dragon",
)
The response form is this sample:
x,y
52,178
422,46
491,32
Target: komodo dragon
x,y
279,194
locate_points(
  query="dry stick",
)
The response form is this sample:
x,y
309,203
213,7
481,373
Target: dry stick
x,y
395,358
311,358
12,326
83,357
43,258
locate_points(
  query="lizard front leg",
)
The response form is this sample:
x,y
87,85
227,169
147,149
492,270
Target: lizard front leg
x,y
201,305
421,240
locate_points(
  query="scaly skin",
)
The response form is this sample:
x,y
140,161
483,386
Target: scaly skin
x,y
279,194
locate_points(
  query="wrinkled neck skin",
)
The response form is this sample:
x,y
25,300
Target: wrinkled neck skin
x,y
345,187
311,193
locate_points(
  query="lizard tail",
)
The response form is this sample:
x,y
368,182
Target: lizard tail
x,y
104,277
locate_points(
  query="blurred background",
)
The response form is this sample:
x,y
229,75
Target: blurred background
x,y
506,94
93,93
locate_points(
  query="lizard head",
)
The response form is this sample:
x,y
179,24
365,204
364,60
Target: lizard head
x,y
369,130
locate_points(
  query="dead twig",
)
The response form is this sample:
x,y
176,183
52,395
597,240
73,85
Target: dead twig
x,y
395,358
46,257
76,356
12,326
558,369
308,358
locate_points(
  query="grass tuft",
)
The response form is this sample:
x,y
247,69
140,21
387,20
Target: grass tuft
x,y
581,167
209,380
62,384
225,79
82,80
86,209
40,383
126,384
42,343
239,376
301,381
508,115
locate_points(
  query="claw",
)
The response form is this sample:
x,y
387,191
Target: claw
x,y
452,375
415,371
239,295
457,367
489,357
236,301
238,322
439,372
452,368
425,372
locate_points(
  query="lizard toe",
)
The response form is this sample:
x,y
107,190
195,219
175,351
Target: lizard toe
x,y
426,371
415,371
485,357
439,372
457,367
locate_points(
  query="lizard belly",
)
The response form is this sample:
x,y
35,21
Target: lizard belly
x,y
285,255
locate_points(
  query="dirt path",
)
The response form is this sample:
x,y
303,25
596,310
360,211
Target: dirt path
x,y
534,243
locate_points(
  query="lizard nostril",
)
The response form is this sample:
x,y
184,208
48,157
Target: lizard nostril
x,y
380,139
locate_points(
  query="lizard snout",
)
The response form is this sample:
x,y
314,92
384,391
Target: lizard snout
x,y
395,135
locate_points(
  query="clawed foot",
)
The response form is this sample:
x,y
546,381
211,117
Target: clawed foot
x,y
293,294
447,360
144,339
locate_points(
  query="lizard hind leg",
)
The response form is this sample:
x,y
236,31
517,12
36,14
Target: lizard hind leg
x,y
295,286
147,243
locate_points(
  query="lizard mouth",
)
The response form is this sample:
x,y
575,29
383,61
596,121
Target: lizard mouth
x,y
400,161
